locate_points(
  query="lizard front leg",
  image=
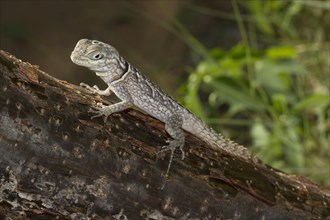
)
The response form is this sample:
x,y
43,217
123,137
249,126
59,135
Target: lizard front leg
x,y
105,111
173,127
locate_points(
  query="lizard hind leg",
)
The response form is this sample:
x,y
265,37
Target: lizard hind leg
x,y
173,127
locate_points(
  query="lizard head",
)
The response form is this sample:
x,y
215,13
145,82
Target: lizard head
x,y
99,57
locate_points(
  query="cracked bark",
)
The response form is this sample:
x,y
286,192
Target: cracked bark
x,y
55,162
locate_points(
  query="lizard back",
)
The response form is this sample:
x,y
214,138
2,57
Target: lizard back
x,y
149,91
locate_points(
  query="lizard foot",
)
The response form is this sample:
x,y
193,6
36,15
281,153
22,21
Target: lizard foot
x,y
103,110
173,145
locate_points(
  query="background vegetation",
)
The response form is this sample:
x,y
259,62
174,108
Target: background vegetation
x,y
271,88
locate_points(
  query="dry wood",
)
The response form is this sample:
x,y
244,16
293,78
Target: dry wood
x,y
57,162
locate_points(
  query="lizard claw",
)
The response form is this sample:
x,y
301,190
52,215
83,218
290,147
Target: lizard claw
x,y
100,112
172,149
93,90
84,85
95,87
100,105
105,117
173,145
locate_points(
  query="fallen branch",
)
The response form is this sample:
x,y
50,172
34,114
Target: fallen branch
x,y
57,162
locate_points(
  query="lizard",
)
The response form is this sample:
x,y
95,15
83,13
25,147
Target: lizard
x,y
133,88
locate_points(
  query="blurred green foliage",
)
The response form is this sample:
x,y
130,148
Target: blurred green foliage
x,y
273,85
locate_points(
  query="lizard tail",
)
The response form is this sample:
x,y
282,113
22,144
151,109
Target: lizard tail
x,y
198,128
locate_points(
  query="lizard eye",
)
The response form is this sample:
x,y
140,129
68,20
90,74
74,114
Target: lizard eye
x,y
96,56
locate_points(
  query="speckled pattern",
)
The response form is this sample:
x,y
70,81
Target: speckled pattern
x,y
133,88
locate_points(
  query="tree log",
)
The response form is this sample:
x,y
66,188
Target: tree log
x,y
56,162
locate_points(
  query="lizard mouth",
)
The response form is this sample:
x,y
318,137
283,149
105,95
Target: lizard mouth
x,y
75,59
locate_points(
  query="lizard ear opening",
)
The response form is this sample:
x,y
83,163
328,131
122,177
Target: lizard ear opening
x,y
124,64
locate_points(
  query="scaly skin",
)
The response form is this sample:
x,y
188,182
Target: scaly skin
x,y
133,88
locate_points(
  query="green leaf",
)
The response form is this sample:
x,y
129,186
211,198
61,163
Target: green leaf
x,y
233,67
280,103
274,76
313,101
237,51
267,75
281,52
238,97
260,135
260,12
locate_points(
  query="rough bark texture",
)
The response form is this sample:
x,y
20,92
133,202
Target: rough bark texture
x,y
57,162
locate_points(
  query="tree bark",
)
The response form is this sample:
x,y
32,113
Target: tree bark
x,y
56,162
